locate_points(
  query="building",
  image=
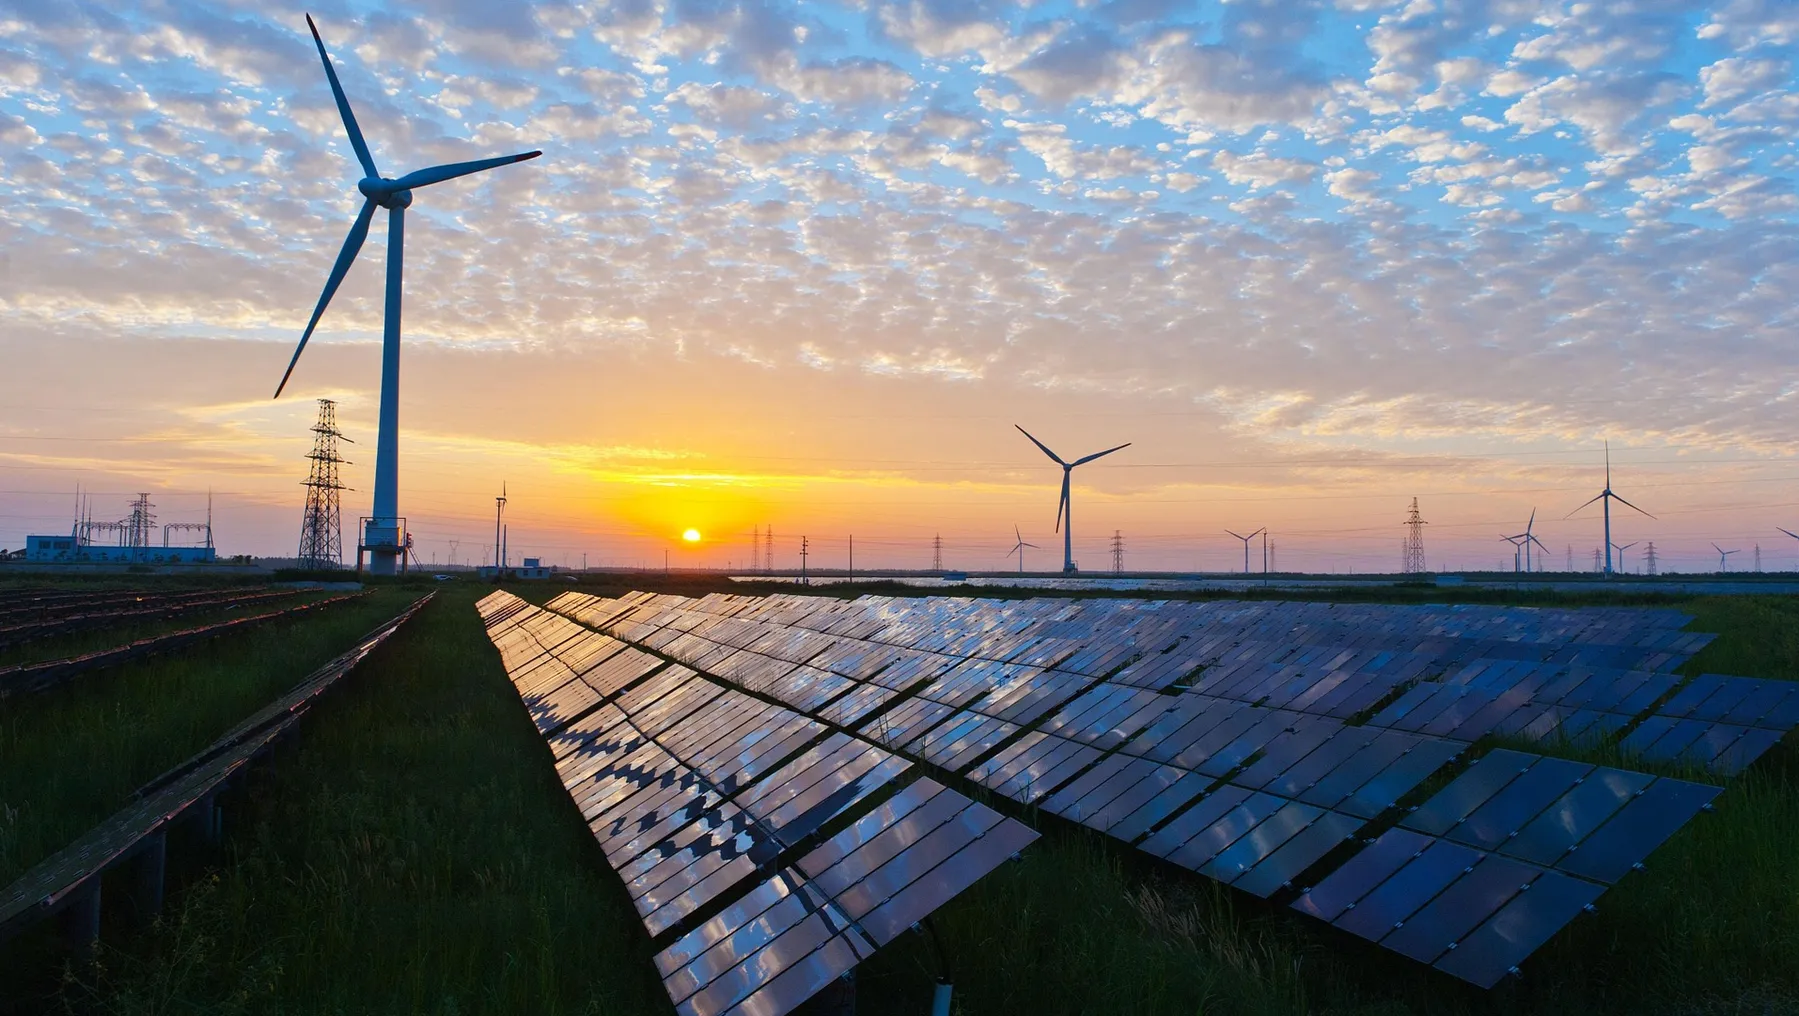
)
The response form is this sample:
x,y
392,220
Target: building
x,y
533,568
73,550
133,540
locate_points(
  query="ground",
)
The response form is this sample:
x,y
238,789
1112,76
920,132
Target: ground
x,y
412,851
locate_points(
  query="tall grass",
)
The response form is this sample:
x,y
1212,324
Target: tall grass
x,y
411,851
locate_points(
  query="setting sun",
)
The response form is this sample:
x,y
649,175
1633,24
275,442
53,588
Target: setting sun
x,y
691,536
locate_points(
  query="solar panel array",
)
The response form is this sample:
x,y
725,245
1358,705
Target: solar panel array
x,y
751,838
1285,749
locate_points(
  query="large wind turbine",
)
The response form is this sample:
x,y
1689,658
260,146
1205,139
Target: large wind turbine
x,y
1064,507
1608,497
382,537
1525,539
1018,548
1724,557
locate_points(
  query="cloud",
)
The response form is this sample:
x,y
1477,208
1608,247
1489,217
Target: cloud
x,y
1258,171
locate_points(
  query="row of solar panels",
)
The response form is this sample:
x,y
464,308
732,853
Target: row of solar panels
x,y
713,805
1449,690
1252,795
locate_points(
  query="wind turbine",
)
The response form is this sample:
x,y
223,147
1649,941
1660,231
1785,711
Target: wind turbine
x,y
1246,540
1018,548
1621,566
1064,507
1724,557
1608,497
382,536
1516,541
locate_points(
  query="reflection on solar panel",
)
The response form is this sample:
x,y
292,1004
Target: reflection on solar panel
x,y
709,804
1251,743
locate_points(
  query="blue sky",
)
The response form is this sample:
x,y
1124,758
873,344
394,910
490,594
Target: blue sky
x,y
1290,248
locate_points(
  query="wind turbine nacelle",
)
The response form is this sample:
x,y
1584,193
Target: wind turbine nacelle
x,y
382,192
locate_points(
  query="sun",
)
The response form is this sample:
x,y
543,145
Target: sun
x,y
691,536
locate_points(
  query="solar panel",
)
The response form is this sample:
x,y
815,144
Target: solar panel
x,y
955,681
1488,953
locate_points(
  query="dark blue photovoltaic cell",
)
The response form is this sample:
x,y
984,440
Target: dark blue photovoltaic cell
x,y
1488,953
1207,811
1210,841
1486,777
1398,779
1159,807
1409,888
1279,868
1265,838
1522,799
1575,815
1637,829
1460,908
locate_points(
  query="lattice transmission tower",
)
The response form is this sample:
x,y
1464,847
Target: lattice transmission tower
x,y
937,552
1414,541
1651,557
1118,552
321,529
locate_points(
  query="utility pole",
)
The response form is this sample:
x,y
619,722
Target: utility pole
x,y
755,549
499,509
768,558
805,548
1271,561
665,562
937,553
852,557
1414,541
1570,558
1117,552
1758,557
1651,555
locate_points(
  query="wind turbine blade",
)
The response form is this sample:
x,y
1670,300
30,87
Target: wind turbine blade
x,y
1031,545
352,244
343,107
1239,537
1632,507
438,174
1582,507
1062,504
1532,522
1096,455
1041,445
1719,549
1789,532
1608,466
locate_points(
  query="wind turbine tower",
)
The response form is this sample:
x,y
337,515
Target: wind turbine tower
x,y
1608,497
1064,507
382,536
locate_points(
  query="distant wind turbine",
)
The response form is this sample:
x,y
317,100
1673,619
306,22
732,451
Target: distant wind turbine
x,y
1018,548
1064,507
1621,565
1246,540
1608,497
1724,557
382,536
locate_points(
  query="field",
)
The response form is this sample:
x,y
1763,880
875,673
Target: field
x,y
412,851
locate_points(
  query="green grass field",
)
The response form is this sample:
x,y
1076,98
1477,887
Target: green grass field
x,y
412,851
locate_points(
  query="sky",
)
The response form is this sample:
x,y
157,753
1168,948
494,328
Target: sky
x,y
805,266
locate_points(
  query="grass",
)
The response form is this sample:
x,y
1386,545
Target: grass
x,y
60,646
412,851
71,756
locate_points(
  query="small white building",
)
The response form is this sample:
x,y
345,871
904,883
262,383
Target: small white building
x,y
533,568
